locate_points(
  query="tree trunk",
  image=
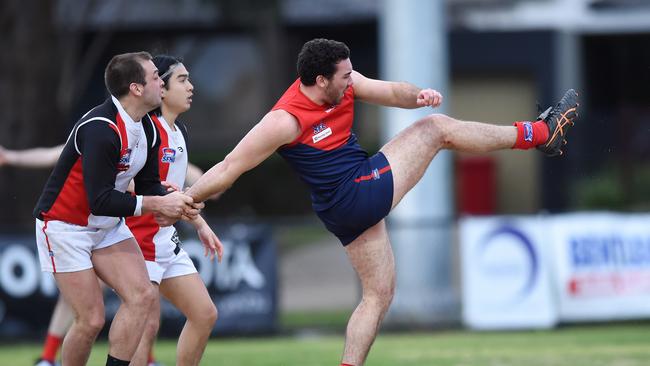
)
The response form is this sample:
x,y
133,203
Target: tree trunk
x,y
28,111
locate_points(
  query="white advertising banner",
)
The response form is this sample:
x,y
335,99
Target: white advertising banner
x,y
505,275
601,264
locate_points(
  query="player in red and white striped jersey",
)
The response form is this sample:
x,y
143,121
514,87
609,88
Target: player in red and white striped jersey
x,y
80,231
168,265
170,268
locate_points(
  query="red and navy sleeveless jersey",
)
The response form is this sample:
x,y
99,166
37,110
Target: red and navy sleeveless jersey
x,y
326,154
158,242
104,152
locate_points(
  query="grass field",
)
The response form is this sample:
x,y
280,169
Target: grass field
x,y
611,345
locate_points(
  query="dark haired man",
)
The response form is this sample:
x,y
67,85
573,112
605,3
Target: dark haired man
x,y
80,228
310,126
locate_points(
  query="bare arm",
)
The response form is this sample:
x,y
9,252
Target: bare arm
x,y
210,241
277,128
40,157
171,207
393,93
193,174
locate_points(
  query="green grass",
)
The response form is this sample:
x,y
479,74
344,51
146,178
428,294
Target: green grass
x,y
332,320
611,345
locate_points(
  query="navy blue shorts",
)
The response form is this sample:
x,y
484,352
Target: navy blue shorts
x,y
367,199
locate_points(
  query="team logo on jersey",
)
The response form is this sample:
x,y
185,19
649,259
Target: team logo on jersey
x,y
319,127
168,155
125,159
321,131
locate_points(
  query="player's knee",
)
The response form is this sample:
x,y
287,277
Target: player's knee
x,y
92,322
382,294
212,315
145,297
388,292
97,324
437,127
443,125
207,315
151,296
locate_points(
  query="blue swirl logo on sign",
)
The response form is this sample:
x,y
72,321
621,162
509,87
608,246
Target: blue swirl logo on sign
x,y
509,265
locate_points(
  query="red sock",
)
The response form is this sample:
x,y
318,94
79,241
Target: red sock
x,y
51,347
151,359
530,134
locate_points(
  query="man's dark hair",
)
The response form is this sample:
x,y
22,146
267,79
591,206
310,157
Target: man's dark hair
x,y
123,70
319,57
165,63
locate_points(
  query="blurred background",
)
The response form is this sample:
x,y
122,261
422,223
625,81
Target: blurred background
x,y
557,222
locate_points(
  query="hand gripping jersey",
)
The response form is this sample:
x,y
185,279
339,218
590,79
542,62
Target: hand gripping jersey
x,y
104,152
162,242
327,153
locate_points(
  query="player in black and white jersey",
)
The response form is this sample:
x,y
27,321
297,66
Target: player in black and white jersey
x,y
80,227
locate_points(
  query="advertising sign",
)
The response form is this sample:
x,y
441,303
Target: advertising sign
x,y
601,265
505,277
243,285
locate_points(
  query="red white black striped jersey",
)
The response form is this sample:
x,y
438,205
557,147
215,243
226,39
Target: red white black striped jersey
x,y
160,242
104,152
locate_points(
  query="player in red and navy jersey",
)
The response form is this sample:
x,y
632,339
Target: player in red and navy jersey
x,y
80,228
170,268
310,126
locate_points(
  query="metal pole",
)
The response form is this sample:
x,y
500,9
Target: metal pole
x,y
413,48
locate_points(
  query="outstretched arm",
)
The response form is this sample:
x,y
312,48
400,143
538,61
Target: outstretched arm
x,y
393,93
193,174
277,128
40,157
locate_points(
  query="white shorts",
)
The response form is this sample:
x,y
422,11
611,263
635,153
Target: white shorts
x,y
64,247
173,266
